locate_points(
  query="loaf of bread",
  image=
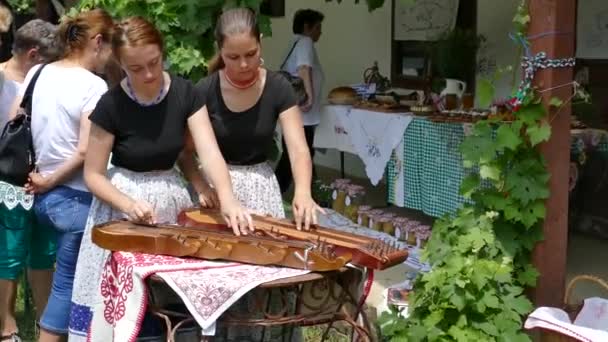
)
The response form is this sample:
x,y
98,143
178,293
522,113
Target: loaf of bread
x,y
343,95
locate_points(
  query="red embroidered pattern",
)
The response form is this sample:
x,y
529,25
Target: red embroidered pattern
x,y
116,283
117,279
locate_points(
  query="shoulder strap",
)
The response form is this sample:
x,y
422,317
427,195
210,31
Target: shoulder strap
x,y
289,54
26,102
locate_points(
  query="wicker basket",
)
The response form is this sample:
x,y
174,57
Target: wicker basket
x,y
571,309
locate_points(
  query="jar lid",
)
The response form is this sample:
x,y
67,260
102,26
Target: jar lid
x,y
400,220
364,208
354,190
375,212
423,234
340,182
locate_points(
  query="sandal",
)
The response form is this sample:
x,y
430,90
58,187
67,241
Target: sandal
x,y
11,338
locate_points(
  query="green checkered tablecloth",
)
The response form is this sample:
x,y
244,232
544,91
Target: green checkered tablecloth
x,y
432,167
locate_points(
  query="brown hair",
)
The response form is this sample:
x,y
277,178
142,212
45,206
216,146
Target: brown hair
x,y
76,32
135,31
6,18
233,21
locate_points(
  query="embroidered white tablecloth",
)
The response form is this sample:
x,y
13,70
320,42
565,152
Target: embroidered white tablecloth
x,y
331,131
208,289
368,134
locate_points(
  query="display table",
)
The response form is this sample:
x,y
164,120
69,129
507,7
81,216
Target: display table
x,y
424,169
320,298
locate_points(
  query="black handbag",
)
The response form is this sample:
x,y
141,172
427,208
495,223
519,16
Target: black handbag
x,y
296,82
17,158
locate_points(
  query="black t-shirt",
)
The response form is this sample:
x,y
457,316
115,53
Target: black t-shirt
x,y
146,138
245,137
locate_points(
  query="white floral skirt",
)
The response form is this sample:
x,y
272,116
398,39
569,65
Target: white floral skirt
x,y
258,189
167,193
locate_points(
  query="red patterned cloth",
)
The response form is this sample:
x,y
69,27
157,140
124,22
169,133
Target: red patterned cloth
x,y
208,288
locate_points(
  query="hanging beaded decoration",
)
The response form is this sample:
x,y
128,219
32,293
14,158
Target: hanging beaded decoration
x,y
530,66
155,101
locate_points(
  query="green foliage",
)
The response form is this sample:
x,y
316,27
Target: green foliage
x,y
186,25
480,257
486,89
23,6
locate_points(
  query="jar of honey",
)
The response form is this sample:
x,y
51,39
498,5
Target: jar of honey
x,y
412,228
362,215
382,222
422,236
399,223
373,214
354,198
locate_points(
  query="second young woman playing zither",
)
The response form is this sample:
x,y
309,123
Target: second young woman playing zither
x,y
245,101
143,122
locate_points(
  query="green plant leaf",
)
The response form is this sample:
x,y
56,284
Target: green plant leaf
x,y
530,114
479,146
491,300
539,133
503,274
533,213
520,304
468,185
529,276
488,328
556,102
457,299
485,92
489,172
507,136
527,181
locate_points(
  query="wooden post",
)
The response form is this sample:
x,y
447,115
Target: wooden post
x,y
557,19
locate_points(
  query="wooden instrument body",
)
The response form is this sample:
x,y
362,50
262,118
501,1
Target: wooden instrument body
x,y
364,251
214,244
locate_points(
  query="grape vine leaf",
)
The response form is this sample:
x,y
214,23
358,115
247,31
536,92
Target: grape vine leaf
x,y
468,185
490,300
539,133
526,181
530,114
556,102
485,92
489,172
529,276
507,136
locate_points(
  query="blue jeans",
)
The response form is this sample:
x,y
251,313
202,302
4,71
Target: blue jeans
x,y
65,210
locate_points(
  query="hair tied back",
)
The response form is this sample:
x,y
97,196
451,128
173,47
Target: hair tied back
x,y
72,32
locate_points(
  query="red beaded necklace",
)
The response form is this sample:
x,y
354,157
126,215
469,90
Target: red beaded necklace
x,y
243,85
